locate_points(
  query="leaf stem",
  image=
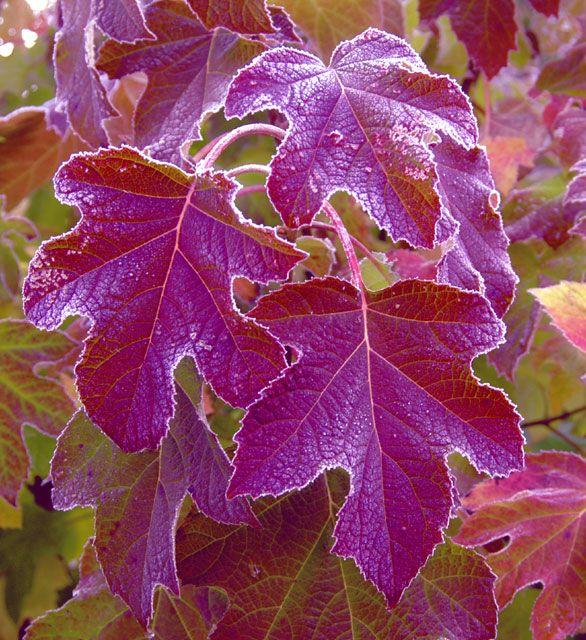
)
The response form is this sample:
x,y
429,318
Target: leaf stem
x,y
547,423
213,150
347,246
359,245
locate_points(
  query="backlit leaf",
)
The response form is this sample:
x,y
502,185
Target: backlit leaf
x,y
122,20
138,495
362,125
27,398
240,16
151,263
382,388
284,584
486,27
542,509
189,69
478,260
30,153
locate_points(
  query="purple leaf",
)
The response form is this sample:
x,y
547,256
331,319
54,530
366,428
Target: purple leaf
x,y
362,125
79,92
189,69
478,260
383,389
138,495
151,263
122,20
240,16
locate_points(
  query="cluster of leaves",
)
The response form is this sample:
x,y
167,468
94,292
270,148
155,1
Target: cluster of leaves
x,y
277,438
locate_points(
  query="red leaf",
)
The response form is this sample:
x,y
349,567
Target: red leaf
x,y
383,389
240,16
542,509
486,27
566,75
151,263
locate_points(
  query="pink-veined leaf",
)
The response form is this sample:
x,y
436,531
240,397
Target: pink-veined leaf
x,y
542,509
80,93
362,125
27,398
486,27
566,305
138,495
385,391
478,260
151,263
240,16
316,594
189,69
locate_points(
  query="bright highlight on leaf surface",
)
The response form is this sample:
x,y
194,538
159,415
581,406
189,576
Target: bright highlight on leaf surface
x,y
189,69
363,125
151,263
240,16
383,388
543,510
138,496
566,304
26,398
284,584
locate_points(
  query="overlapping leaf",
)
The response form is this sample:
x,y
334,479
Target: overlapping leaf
x,y
151,263
189,69
382,388
542,509
478,260
30,152
240,16
362,125
94,613
138,495
486,27
122,20
285,585
27,398
566,75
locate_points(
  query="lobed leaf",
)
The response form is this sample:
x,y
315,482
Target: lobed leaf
x,y
486,27
284,584
138,496
382,388
478,259
542,509
27,398
151,263
189,69
122,20
362,125
240,16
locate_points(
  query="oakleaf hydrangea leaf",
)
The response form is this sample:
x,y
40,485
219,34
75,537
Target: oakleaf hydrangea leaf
x,y
26,398
240,16
361,125
486,27
189,69
151,263
478,259
138,495
80,93
314,592
542,509
382,388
